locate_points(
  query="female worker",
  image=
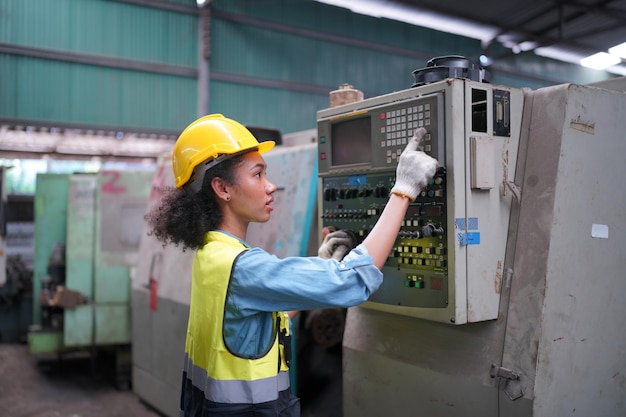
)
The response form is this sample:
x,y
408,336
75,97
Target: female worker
x,y
237,349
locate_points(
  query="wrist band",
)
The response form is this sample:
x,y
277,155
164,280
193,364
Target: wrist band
x,y
401,194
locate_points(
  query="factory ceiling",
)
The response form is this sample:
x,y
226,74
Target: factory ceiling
x,y
567,30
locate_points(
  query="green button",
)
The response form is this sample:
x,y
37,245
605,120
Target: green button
x,y
322,139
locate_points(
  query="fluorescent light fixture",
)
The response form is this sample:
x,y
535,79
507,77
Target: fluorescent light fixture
x,y
528,45
600,61
402,13
619,50
618,70
559,54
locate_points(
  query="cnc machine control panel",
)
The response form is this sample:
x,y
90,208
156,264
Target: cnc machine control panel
x,y
427,273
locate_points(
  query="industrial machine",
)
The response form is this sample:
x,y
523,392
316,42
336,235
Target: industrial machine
x,y
505,277
87,233
502,296
16,292
16,263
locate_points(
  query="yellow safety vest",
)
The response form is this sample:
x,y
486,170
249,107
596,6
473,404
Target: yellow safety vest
x,y
223,376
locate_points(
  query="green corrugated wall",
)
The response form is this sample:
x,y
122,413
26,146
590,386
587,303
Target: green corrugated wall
x,y
308,49
97,62
127,64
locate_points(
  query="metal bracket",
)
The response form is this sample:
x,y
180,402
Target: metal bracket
x,y
512,387
500,372
515,189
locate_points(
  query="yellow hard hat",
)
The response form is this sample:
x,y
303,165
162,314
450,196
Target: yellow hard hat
x,y
208,141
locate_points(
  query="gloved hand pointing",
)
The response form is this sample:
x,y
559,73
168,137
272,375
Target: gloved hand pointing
x,y
415,168
337,244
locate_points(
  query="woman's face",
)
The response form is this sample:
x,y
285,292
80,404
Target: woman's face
x,y
251,195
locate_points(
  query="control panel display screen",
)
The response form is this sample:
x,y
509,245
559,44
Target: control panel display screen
x,y
351,142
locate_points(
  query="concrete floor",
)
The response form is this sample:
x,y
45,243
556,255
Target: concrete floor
x,y
48,387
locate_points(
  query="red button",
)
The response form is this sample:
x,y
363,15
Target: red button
x,y
436,283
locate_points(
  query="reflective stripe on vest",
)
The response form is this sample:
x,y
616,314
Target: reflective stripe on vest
x,y
212,368
236,391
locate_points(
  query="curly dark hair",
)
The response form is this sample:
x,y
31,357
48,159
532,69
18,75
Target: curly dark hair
x,y
182,217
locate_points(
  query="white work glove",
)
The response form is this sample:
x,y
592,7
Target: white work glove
x,y
415,168
337,244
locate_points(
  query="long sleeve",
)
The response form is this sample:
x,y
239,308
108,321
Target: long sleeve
x,y
263,282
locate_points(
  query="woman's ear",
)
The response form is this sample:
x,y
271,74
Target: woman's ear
x,y
220,188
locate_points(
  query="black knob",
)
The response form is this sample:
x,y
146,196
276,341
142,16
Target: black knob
x,y
437,231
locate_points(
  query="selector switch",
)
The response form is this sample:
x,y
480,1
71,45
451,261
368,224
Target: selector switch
x,y
432,230
330,194
355,202
380,192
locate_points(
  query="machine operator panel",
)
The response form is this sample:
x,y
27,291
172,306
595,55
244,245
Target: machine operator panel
x,y
358,155
447,261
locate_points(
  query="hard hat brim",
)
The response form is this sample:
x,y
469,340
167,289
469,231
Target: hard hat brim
x,y
266,146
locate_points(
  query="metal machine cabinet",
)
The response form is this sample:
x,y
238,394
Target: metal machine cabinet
x,y
50,231
78,329
98,219
121,202
565,335
556,347
160,295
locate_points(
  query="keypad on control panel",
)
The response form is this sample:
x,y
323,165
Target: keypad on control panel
x,y
399,127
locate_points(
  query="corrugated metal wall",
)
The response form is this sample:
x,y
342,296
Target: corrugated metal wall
x,y
274,62
133,64
98,62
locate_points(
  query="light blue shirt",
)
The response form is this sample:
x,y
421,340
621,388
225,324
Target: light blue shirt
x,y
262,283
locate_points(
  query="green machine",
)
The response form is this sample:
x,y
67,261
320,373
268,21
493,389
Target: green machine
x,y
87,233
